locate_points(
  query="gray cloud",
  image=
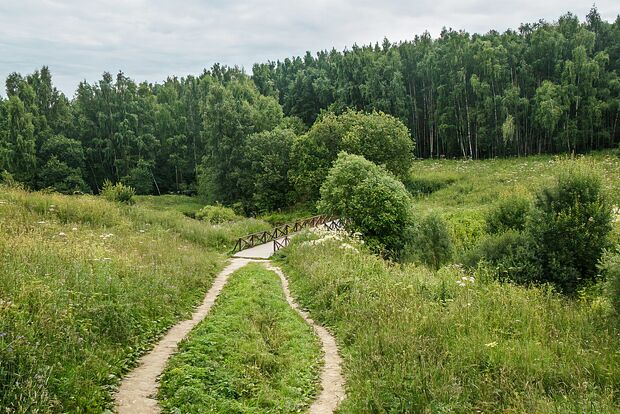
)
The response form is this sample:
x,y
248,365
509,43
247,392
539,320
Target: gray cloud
x,y
151,39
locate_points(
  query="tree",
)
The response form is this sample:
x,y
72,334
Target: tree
x,y
370,200
379,137
267,160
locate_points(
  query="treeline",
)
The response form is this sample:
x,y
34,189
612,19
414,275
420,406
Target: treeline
x,y
548,87
267,140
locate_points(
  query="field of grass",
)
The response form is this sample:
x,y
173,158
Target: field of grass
x,y
86,285
462,191
419,341
186,205
252,354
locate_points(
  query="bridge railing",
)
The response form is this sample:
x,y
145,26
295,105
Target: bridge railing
x,y
284,230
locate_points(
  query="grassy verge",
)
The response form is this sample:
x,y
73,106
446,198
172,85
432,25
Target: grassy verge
x,y
252,354
417,341
85,286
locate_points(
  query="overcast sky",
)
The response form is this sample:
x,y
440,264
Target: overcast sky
x,y
151,39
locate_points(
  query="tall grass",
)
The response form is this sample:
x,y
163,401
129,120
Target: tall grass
x,y
85,286
419,341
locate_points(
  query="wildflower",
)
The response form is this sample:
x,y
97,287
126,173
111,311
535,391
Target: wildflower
x,y
74,229
62,234
491,344
461,283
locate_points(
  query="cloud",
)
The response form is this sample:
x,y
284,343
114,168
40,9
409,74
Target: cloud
x,y
152,39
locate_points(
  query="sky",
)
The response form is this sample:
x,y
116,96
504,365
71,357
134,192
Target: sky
x,y
153,39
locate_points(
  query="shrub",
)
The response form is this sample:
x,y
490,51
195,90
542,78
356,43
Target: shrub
x,y
372,201
569,227
117,192
216,214
432,243
509,253
610,267
509,213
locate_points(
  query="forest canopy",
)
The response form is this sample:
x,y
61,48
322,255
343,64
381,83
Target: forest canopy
x,y
543,88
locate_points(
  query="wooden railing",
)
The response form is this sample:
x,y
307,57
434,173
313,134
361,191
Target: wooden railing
x,y
251,240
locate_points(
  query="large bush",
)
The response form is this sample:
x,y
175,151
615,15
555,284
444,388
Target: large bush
x,y
117,192
378,137
371,200
569,227
509,213
216,214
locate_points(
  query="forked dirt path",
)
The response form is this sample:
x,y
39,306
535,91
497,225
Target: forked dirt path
x,y
137,392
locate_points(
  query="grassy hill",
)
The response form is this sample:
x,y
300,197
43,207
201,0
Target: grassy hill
x,y
86,285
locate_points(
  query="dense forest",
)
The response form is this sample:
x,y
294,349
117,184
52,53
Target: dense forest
x,y
545,88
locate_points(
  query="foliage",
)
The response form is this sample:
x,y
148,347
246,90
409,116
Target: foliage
x,y
569,227
509,213
252,353
59,176
371,201
267,164
216,214
411,338
140,178
378,137
117,192
431,242
610,267
232,113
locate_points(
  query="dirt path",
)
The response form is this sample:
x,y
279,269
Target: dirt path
x,y
137,393
138,390
332,381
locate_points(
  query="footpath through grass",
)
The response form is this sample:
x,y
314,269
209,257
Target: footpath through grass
x,y
86,286
416,341
252,354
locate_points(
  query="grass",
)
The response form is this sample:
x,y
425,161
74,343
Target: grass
x,y
86,286
462,191
186,205
414,340
252,354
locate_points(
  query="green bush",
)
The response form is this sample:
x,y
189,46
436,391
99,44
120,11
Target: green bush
x,y
569,227
509,253
432,243
118,192
509,213
216,214
372,201
140,178
610,267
